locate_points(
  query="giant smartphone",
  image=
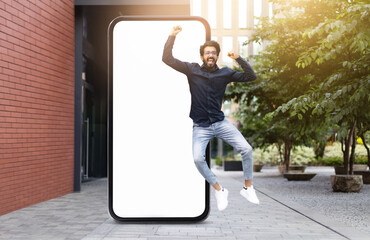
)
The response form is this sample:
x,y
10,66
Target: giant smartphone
x,y
152,176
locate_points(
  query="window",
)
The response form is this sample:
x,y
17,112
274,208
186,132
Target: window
x,y
227,45
271,10
196,7
212,13
257,10
227,14
256,48
242,13
243,50
227,108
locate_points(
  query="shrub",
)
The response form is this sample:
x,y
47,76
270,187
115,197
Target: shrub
x,y
302,155
329,161
337,161
218,161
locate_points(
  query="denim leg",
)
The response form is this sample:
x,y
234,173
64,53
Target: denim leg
x,y
230,134
201,137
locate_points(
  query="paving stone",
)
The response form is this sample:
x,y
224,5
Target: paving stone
x,y
84,216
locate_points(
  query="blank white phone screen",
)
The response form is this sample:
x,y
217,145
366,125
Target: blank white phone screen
x,y
153,170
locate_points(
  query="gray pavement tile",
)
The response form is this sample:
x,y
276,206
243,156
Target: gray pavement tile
x,y
84,216
124,238
221,238
167,238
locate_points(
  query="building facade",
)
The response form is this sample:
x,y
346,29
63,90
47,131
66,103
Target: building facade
x,y
232,22
53,88
37,70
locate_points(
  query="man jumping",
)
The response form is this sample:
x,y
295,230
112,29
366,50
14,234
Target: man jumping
x,y
207,87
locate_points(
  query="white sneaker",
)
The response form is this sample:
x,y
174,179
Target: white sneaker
x,y
250,195
221,198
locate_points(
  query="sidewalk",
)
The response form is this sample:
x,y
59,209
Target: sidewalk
x,y
281,215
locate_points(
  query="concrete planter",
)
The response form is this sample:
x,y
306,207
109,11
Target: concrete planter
x,y
233,166
365,176
299,176
346,183
339,170
292,168
257,167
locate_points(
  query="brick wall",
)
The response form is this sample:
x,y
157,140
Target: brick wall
x,y
36,101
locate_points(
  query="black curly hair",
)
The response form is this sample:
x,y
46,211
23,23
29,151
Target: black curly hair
x,y
210,44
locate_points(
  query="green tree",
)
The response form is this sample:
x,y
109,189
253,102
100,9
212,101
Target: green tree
x,y
342,99
280,81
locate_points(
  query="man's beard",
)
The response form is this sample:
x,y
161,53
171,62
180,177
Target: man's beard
x,y
210,62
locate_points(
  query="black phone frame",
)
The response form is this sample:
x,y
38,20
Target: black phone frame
x,y
110,126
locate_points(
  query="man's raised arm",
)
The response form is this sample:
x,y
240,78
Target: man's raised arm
x,y
167,57
248,74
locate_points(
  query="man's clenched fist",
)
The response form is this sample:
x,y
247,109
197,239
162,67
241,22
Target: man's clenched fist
x,y
176,30
232,55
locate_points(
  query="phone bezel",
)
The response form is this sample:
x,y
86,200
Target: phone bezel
x,y
110,126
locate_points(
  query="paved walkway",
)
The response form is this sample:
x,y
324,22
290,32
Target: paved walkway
x,y
84,216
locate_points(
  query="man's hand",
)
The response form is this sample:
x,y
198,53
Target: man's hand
x,y
232,55
176,30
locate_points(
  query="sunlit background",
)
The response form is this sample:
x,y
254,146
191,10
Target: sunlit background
x,y
230,21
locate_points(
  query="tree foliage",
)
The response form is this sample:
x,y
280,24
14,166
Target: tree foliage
x,y
343,97
313,74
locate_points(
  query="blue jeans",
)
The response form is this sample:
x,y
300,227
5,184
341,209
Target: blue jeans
x,y
228,133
